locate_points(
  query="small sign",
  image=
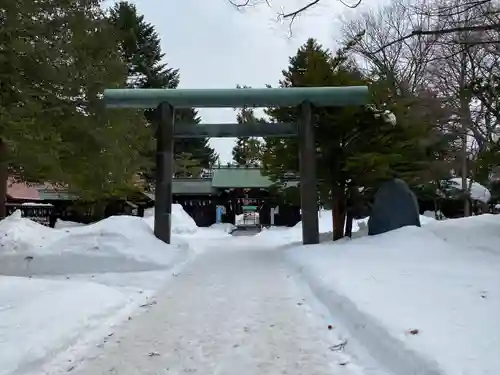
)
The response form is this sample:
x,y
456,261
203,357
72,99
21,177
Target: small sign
x,y
220,210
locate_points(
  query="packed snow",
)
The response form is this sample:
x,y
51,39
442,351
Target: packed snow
x,y
284,236
411,301
423,300
182,223
60,285
41,317
60,224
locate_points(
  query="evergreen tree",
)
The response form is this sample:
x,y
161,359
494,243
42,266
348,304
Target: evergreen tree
x,y
103,146
186,166
357,146
141,50
56,58
140,47
247,150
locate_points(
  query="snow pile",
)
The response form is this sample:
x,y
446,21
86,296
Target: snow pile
x,y
184,228
39,317
19,235
325,221
60,224
202,238
424,219
181,223
433,215
480,232
116,244
118,263
223,227
422,300
281,236
477,191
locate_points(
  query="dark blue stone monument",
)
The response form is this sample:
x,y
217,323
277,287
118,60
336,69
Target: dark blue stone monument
x,y
395,206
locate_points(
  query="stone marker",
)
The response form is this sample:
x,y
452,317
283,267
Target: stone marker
x,y
395,206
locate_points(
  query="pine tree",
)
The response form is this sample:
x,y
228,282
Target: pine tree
x,y
108,157
186,166
141,50
357,146
56,59
247,150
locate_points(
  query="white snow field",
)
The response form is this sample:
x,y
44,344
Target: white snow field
x,y
422,300
228,312
62,289
109,298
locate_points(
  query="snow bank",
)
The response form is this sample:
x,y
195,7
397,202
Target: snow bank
x,y
433,215
480,232
280,236
41,317
422,300
223,227
477,191
185,228
116,244
61,224
182,223
21,235
283,235
199,240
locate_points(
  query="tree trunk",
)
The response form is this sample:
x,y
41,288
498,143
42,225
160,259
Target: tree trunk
x,y
338,214
464,184
348,224
465,121
351,208
4,177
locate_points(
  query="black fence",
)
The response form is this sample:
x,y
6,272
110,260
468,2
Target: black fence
x,y
41,213
202,210
48,214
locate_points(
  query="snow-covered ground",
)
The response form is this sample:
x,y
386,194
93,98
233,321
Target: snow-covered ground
x,y
228,312
110,298
422,300
285,236
63,289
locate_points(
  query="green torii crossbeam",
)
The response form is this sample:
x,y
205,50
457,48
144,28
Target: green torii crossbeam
x,y
166,100
232,98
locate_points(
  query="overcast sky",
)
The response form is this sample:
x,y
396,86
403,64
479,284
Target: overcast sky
x,y
216,46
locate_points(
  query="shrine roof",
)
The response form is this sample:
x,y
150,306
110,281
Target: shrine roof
x,y
240,178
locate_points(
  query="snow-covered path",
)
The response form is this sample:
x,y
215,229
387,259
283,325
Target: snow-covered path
x,y
229,311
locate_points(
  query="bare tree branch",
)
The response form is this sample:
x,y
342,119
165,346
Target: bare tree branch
x,y
290,16
245,3
240,5
450,10
444,11
442,32
295,13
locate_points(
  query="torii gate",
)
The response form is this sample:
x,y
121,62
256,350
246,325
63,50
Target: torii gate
x,y
167,100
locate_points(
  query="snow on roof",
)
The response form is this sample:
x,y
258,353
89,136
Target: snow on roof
x,y
19,190
477,191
